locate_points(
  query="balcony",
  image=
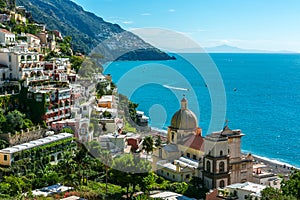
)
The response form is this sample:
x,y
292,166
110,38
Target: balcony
x,y
50,119
49,111
32,69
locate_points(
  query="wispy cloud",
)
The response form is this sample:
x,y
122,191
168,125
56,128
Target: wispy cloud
x,y
146,14
171,10
127,22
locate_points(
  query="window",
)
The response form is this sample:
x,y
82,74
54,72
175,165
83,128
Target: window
x,y
221,153
207,166
173,176
167,173
222,184
173,135
222,166
194,157
188,155
5,157
243,166
187,176
9,58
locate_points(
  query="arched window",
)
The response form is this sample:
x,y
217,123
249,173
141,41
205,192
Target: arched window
x,y
222,184
52,158
221,153
222,166
207,166
59,156
173,135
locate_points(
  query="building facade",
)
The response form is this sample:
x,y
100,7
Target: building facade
x,y
216,158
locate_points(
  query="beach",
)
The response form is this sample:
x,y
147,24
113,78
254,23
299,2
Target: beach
x,y
274,166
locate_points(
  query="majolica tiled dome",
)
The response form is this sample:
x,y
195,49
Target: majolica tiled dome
x,y
184,118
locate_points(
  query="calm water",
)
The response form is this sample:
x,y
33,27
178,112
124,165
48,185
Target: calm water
x,y
262,93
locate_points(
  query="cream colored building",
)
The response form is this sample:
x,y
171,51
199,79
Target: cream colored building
x,y
181,158
215,158
21,64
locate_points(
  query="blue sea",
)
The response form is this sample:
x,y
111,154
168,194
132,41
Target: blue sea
x,y
257,93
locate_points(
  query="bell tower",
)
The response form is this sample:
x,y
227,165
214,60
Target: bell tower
x,y
216,161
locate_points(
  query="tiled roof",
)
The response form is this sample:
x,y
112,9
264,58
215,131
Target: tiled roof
x,y
195,142
36,143
6,31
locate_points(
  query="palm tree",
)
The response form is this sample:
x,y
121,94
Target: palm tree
x,y
158,141
148,144
67,167
106,159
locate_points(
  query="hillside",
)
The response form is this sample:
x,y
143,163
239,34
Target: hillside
x,y
90,32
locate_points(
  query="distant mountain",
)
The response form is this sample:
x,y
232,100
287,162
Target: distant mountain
x,y
90,32
231,49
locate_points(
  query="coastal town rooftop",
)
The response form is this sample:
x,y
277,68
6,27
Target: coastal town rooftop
x,y
35,143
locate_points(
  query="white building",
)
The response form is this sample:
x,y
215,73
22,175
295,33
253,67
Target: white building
x,y
264,177
33,42
7,37
21,64
114,142
243,191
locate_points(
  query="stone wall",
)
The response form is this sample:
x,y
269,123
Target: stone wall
x,y
24,136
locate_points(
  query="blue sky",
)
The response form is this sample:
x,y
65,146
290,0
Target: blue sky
x,y
250,24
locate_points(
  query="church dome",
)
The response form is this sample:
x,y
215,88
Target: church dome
x,y
184,119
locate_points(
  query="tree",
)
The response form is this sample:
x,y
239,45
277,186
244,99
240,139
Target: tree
x,y
3,144
65,46
292,186
12,186
28,123
128,171
2,4
270,193
148,144
106,159
2,120
76,62
158,141
67,130
148,182
15,121
68,166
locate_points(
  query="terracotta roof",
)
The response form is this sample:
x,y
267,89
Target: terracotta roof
x,y
30,35
6,31
195,142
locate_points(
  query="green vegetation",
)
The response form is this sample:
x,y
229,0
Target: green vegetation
x,y
67,130
2,4
76,62
148,144
290,189
14,121
131,174
292,186
88,31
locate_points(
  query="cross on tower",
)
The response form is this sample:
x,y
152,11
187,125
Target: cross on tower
x,y
226,122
